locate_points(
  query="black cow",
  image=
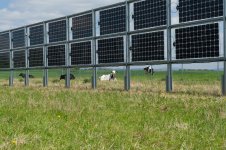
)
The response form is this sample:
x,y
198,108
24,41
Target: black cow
x,y
23,75
149,69
63,77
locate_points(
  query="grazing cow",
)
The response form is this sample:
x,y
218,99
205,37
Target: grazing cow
x,y
109,77
149,69
23,75
64,76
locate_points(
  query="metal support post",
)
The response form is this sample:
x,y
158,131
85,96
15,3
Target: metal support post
x,y
169,80
11,60
68,62
224,76
94,76
26,81
45,57
127,73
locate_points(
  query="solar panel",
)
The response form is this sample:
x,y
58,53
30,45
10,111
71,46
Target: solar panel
x,y
4,41
190,10
56,55
57,31
36,57
197,42
82,26
149,13
18,38
81,53
113,20
36,35
4,60
111,50
148,46
19,59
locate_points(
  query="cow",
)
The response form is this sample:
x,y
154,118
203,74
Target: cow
x,y
108,77
23,75
149,69
64,76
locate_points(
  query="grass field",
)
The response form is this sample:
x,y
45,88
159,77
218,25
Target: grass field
x,y
192,117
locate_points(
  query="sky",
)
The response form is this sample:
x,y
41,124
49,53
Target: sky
x,y
17,13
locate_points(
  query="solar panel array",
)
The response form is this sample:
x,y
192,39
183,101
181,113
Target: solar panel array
x,y
113,20
110,32
4,41
190,10
148,46
36,35
19,59
36,57
81,53
197,41
111,50
149,14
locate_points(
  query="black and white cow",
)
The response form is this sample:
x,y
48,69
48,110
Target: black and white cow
x,y
23,75
109,77
64,76
149,69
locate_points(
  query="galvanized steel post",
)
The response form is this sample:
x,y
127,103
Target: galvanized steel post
x,y
94,76
224,76
45,57
68,70
127,73
169,86
11,60
26,80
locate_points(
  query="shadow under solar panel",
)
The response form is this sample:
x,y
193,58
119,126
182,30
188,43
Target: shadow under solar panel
x,y
111,50
197,41
113,20
56,55
190,10
148,46
36,35
4,41
149,13
81,53
4,60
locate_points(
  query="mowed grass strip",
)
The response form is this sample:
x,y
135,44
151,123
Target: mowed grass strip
x,y
56,118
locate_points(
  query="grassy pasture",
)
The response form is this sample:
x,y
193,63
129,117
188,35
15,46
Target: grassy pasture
x,y
192,117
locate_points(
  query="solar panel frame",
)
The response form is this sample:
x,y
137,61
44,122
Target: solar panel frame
x,y
112,20
147,14
57,31
190,10
36,57
19,59
82,26
5,60
150,46
81,53
18,38
111,50
56,55
4,41
36,35
200,41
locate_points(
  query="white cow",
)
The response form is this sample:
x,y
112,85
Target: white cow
x,y
108,77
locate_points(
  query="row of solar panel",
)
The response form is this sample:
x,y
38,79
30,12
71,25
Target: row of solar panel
x,y
191,42
146,14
